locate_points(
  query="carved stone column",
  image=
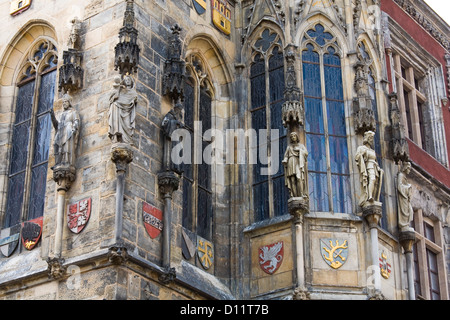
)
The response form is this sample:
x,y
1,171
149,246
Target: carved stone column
x,y
372,213
298,207
121,155
407,240
293,116
168,182
63,176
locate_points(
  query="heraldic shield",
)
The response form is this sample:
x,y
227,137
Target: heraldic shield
x,y
78,215
271,257
9,239
31,232
152,220
205,252
334,252
200,6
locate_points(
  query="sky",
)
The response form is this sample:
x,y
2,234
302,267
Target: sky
x,y
442,8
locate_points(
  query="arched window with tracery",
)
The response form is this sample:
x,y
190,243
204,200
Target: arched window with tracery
x,y
30,144
325,126
197,213
267,86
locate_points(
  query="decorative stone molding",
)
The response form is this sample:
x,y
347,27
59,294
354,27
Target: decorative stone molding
x,y
174,69
64,176
298,207
301,294
117,255
168,276
56,269
168,182
407,240
447,65
420,18
372,213
121,155
127,51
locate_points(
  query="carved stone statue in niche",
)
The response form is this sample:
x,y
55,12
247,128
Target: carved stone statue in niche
x,y
370,173
295,168
171,122
404,191
122,110
66,136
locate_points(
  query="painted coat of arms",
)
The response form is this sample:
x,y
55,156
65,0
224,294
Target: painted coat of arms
x,y
271,257
200,6
385,267
152,220
31,232
334,252
78,215
9,238
205,252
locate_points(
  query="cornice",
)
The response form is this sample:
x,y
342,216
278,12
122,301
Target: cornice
x,y
421,13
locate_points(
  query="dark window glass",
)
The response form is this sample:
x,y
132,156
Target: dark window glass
x,y
21,148
266,108
197,211
329,181
435,293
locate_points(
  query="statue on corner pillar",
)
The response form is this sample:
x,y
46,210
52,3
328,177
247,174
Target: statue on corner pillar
x,y
65,142
295,168
122,110
171,122
404,190
370,173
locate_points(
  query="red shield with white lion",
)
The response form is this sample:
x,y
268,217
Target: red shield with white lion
x,y
271,257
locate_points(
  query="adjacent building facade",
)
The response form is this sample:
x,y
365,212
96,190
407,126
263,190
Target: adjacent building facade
x,y
254,149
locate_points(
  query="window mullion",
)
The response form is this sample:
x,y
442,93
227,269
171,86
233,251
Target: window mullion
x,y
269,128
327,137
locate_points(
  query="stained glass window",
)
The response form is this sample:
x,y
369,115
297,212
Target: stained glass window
x,y
326,134
267,85
197,213
30,143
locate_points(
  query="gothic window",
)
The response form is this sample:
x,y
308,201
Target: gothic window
x,y
197,189
326,135
267,93
31,136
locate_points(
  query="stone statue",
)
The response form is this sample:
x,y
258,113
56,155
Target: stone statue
x,y
171,122
66,136
122,110
295,168
404,190
370,173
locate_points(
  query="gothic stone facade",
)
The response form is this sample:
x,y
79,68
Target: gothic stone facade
x,y
329,70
